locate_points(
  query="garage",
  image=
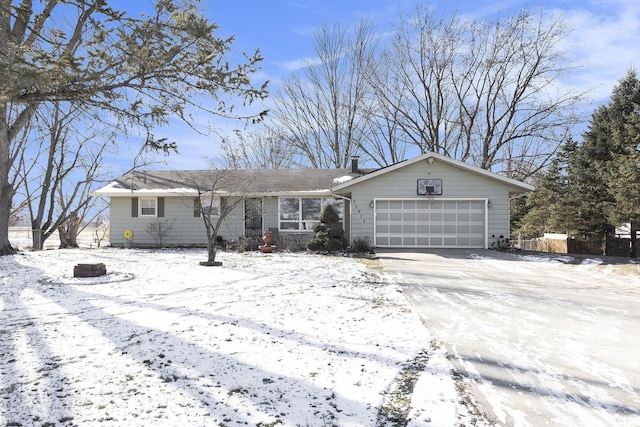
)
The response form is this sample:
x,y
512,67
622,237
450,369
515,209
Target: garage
x,y
431,201
429,223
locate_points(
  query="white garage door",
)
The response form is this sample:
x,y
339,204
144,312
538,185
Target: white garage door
x,y
419,223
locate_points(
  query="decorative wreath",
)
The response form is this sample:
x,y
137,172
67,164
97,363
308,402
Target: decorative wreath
x,y
127,234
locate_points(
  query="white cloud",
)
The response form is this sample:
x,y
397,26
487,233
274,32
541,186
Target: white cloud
x,y
297,64
605,40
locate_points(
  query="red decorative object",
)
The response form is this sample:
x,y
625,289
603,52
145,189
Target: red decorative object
x,y
267,247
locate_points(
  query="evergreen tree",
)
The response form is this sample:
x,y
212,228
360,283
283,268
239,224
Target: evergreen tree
x,y
602,172
592,187
587,195
623,174
543,207
329,232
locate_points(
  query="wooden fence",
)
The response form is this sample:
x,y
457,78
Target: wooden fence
x,y
614,246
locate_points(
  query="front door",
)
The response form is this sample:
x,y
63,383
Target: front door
x,y
253,217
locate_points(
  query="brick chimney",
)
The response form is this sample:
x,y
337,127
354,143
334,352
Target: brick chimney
x,y
354,164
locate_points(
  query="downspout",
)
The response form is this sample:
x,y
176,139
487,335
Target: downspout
x,y
486,223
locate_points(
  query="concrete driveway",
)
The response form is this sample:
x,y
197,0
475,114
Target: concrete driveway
x,y
540,341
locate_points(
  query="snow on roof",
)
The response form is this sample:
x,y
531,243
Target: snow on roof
x,y
342,179
272,181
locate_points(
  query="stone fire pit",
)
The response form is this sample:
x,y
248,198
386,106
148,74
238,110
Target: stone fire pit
x,y
89,270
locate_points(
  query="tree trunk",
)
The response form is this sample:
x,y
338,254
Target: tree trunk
x,y
6,189
634,241
37,238
64,235
212,250
6,197
211,254
6,192
69,232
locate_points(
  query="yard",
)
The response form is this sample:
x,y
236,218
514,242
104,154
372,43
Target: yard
x,y
280,339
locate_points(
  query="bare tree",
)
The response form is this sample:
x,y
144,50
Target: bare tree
x,y
320,109
138,72
58,174
513,112
219,192
158,230
385,141
266,148
486,92
413,83
101,229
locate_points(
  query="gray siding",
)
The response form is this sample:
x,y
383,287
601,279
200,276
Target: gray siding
x,y
402,183
186,230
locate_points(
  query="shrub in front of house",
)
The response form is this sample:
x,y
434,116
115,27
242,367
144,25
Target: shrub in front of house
x,y
329,235
360,245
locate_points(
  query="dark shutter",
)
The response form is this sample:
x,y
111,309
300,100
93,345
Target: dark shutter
x,y
196,207
160,207
134,207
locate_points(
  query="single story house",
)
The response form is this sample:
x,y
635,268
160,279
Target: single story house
x,y
430,201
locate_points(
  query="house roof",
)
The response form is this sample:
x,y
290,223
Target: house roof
x,y
518,185
185,182
271,181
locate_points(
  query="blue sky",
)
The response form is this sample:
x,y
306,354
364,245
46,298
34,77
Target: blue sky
x,y
605,39
605,33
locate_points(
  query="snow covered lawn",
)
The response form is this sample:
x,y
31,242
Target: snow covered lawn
x,y
264,340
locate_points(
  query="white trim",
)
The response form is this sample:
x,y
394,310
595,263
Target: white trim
x,y
432,199
113,191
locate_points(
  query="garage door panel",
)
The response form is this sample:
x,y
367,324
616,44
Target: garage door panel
x,y
477,242
395,241
430,223
409,229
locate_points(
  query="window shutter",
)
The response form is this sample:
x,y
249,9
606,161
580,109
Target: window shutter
x,y
134,207
196,207
160,207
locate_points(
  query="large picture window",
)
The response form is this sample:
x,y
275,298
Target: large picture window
x,y
303,213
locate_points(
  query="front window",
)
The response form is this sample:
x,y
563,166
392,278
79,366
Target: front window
x,y
148,206
303,213
211,206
